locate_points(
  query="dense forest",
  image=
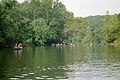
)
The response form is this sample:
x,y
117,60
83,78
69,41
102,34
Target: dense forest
x,y
44,22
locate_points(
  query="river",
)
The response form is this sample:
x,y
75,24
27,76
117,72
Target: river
x,y
61,63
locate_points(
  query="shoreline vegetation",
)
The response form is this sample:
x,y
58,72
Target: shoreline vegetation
x,y
63,45
41,22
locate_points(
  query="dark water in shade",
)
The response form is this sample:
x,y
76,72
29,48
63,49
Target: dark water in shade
x,y
61,63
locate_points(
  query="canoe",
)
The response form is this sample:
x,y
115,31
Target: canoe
x,y
17,48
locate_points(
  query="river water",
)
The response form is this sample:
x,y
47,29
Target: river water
x,y
61,63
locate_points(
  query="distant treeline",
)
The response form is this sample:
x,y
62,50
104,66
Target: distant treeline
x,y
43,22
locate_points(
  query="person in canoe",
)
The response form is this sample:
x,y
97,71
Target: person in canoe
x,y
18,46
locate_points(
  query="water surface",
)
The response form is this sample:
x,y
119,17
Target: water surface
x,y
61,63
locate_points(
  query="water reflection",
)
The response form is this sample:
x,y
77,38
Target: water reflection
x,y
67,63
96,65
18,53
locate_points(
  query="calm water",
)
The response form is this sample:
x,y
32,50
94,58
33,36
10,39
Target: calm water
x,y
61,63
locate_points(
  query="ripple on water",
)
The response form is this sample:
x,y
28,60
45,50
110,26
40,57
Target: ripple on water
x,y
49,68
116,65
44,69
19,76
50,78
25,75
58,77
24,68
37,77
19,69
31,73
14,78
28,79
45,76
38,67
64,68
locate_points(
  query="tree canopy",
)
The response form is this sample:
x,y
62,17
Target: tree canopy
x,y
43,22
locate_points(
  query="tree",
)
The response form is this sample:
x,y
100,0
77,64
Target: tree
x,y
40,32
9,26
110,29
74,30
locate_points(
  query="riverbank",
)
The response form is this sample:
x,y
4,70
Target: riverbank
x,y
6,46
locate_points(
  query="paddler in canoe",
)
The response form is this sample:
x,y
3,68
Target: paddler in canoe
x,y
18,46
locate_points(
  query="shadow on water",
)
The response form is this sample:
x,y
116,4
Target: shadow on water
x,y
68,63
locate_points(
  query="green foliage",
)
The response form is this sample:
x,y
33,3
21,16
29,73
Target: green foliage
x,y
110,29
74,30
40,32
8,24
93,32
43,22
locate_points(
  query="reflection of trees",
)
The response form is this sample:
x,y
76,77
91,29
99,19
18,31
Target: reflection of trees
x,y
48,56
74,55
111,53
81,54
94,53
50,60
8,64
